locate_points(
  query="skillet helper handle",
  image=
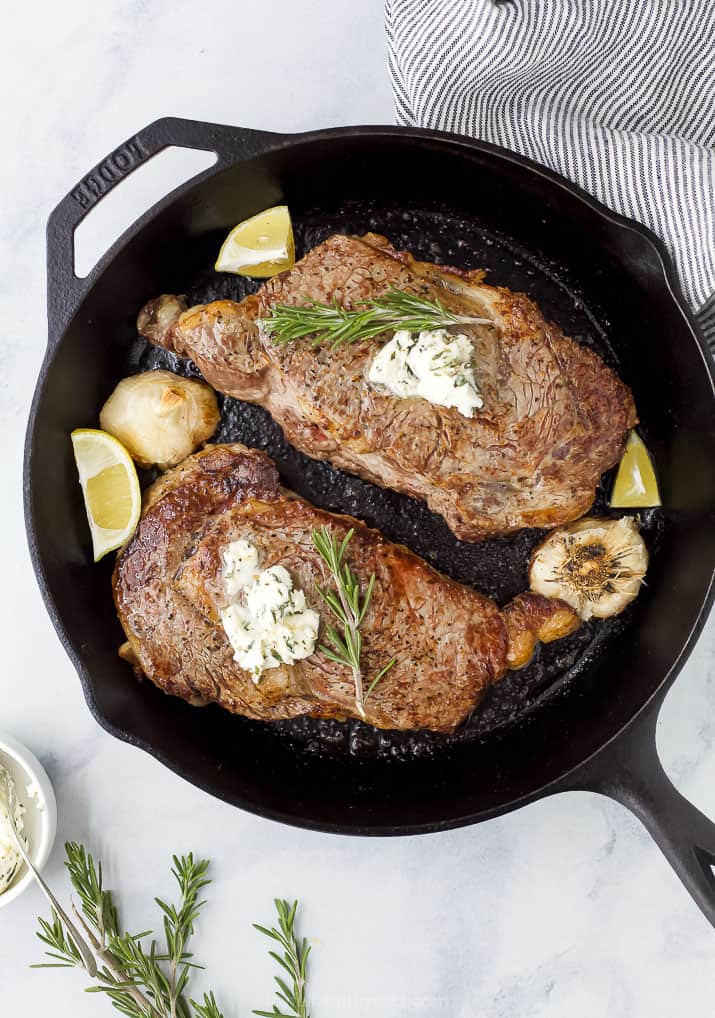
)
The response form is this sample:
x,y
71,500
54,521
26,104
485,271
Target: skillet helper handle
x,y
630,772
65,289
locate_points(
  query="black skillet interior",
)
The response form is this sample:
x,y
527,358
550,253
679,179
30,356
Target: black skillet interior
x,y
446,201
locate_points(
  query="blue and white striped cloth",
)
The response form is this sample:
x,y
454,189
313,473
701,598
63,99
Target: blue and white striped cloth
x,y
618,95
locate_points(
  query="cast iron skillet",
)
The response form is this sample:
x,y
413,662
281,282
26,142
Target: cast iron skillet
x,y
585,720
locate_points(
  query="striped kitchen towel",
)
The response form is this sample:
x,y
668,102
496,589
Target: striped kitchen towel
x,y
618,95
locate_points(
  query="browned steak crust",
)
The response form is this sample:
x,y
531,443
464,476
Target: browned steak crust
x,y
450,642
554,416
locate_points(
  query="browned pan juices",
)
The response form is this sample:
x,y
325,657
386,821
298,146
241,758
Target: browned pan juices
x,y
497,567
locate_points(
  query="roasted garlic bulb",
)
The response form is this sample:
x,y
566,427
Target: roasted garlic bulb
x,y
595,565
160,417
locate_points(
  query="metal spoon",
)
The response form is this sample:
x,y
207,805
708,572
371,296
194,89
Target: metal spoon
x,y
8,804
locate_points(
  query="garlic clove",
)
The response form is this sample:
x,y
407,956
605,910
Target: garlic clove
x,y
531,618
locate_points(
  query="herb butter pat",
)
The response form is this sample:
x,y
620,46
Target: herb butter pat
x,y
434,365
10,858
267,622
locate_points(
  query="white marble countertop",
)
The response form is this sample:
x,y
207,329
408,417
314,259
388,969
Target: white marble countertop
x,y
563,909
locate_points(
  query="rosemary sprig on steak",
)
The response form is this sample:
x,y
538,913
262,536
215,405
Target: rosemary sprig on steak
x,y
334,324
349,605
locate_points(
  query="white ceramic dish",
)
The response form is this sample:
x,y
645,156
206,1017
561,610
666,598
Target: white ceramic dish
x,y
40,809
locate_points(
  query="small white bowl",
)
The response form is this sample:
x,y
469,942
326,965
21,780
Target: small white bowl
x,y
40,816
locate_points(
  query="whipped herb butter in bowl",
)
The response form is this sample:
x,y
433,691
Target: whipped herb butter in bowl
x,y
36,818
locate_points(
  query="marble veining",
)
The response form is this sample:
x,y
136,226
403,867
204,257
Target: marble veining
x,y
565,908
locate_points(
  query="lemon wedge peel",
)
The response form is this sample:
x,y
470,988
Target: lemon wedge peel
x,y
635,486
110,488
261,246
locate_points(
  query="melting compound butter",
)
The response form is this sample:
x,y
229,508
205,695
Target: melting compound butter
x,y
435,365
267,621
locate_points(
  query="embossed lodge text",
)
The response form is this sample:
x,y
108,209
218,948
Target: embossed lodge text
x,y
110,170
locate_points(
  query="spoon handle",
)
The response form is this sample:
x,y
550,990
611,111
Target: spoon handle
x,y
79,942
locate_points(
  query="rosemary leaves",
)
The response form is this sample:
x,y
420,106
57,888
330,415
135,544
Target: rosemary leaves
x,y
293,961
144,979
349,606
334,325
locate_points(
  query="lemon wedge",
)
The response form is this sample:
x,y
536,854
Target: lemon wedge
x,y
110,487
635,486
261,246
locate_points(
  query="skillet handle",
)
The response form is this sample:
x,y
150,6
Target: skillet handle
x,y
65,289
630,771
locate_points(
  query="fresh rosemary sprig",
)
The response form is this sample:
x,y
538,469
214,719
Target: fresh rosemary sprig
x,y
349,605
293,961
208,1009
334,324
143,982
179,923
97,904
62,948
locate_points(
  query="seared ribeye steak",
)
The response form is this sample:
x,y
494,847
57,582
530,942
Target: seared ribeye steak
x,y
450,642
554,417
